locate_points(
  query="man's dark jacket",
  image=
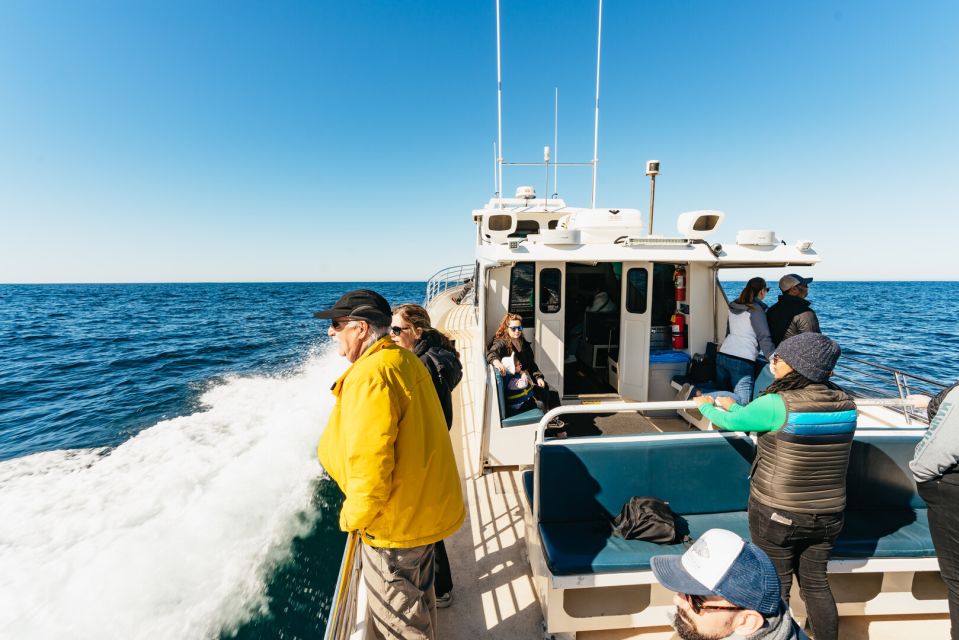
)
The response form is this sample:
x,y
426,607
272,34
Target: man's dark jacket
x,y
789,317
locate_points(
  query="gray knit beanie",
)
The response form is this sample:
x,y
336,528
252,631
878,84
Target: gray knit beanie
x,y
812,355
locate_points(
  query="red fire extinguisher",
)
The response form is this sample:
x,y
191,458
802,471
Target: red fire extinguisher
x,y
679,282
678,322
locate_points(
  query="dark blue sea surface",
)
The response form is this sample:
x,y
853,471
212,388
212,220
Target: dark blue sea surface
x,y
157,446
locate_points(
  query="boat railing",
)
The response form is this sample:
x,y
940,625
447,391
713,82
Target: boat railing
x,y
863,378
448,278
343,610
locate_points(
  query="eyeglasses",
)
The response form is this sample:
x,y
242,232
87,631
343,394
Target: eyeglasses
x,y
398,330
517,327
774,359
340,324
698,605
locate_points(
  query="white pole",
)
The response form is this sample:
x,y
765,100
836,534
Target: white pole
x,y
495,185
499,106
599,39
556,145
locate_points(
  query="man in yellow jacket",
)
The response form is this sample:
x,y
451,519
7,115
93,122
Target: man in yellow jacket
x,y
387,447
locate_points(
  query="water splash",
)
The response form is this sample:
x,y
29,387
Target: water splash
x,y
173,533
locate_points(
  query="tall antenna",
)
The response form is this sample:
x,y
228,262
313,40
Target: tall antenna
x,y
499,107
599,39
556,146
495,184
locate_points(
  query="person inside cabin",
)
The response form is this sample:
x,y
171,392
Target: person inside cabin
x,y
411,329
384,445
935,469
725,588
510,341
797,492
792,314
601,303
748,335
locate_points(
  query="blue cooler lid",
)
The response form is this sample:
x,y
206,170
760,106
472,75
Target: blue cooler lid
x,y
660,357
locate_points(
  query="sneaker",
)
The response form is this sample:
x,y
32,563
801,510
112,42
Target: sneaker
x,y
686,392
570,359
444,600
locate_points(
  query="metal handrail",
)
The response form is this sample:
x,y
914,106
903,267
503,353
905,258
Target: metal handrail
x,y
623,407
448,278
899,384
343,609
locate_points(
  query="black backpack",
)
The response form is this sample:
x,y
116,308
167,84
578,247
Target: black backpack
x,y
647,518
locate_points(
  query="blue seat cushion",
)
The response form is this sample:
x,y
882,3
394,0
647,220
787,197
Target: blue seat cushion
x,y
899,533
589,547
528,484
527,417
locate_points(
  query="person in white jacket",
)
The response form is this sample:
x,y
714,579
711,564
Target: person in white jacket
x,y
748,335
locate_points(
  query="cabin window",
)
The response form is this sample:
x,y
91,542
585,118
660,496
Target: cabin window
x,y
522,279
525,228
637,284
499,222
550,288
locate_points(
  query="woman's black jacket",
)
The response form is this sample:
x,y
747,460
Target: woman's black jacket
x,y
502,347
444,367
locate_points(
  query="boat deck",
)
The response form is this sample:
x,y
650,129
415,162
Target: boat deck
x,y
494,594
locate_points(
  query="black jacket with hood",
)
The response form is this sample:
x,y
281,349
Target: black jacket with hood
x,y
444,367
790,316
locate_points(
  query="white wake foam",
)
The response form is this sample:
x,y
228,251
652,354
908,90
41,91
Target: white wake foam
x,y
173,533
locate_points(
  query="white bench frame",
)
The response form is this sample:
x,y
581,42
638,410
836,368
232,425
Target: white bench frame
x,y
894,597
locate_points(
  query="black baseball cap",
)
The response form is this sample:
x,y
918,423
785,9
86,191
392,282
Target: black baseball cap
x,y
360,304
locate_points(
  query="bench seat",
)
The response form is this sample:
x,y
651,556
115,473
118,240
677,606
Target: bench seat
x,y
530,416
885,518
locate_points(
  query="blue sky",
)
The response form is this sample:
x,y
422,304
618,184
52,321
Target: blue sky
x,y
256,141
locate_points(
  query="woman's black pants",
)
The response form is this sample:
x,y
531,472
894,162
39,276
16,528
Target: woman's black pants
x,y
800,544
942,498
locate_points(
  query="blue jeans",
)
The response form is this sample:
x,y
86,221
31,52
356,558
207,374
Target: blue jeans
x,y
735,375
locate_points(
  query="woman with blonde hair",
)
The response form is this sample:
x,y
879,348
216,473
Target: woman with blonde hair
x,y
411,329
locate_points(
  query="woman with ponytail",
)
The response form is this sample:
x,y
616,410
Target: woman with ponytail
x,y
748,334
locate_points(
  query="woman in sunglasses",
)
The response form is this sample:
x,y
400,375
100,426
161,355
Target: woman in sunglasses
x,y
411,329
748,334
509,341
797,491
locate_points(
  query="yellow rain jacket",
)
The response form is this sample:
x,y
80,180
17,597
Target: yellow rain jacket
x,y
387,447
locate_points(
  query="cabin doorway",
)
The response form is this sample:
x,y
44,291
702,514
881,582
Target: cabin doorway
x,y
592,321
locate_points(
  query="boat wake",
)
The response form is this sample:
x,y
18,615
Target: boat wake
x,y
174,533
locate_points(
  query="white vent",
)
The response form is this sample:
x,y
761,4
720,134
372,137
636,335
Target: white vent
x,y
757,238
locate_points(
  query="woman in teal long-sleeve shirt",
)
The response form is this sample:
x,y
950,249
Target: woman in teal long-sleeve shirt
x,y
797,491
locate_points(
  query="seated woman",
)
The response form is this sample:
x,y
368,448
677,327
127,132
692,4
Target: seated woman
x,y
510,342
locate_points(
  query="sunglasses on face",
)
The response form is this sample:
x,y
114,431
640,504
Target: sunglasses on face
x,y
698,605
517,327
398,330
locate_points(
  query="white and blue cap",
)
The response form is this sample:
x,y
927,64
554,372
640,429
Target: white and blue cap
x,y
720,563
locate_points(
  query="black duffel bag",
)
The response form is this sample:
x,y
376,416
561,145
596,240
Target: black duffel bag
x,y
647,518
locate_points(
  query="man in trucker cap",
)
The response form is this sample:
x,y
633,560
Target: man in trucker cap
x,y
387,447
792,313
725,588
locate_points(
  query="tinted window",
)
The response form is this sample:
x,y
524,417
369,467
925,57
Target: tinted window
x,y
550,286
637,283
521,282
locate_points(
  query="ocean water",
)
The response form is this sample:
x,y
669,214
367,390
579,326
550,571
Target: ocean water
x,y
158,476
